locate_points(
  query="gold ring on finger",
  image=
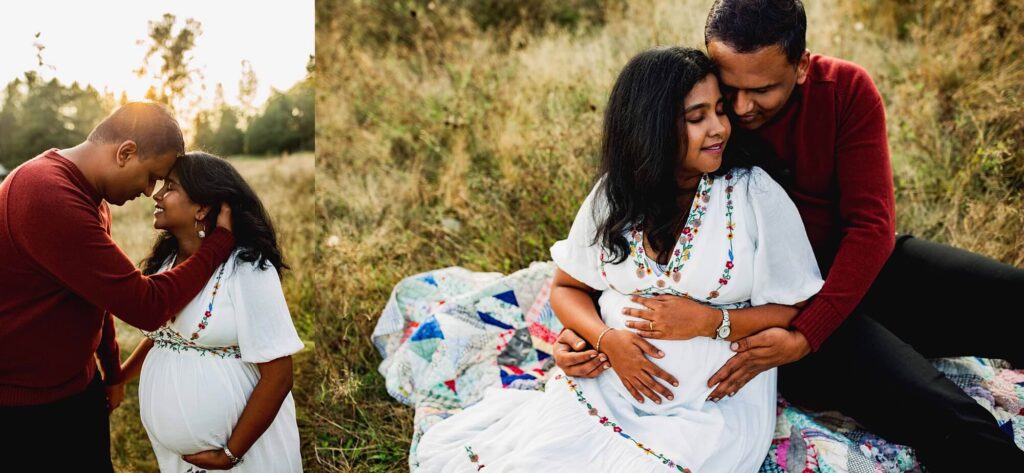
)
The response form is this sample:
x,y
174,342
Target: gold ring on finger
x,y
652,326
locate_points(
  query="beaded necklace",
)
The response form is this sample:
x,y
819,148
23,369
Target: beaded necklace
x,y
209,309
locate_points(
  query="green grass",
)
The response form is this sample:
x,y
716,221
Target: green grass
x,y
285,185
440,143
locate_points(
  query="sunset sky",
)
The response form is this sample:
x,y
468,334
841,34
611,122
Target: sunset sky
x,y
95,42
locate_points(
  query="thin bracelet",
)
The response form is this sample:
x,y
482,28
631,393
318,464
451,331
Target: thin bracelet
x,y
599,337
231,456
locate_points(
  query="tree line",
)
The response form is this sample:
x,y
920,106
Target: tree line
x,y
286,124
37,114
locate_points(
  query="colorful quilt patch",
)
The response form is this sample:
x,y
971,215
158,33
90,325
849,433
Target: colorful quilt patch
x,y
448,335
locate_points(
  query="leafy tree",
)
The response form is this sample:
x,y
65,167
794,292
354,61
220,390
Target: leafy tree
x,y
287,123
174,72
38,114
248,85
9,124
203,131
229,138
217,131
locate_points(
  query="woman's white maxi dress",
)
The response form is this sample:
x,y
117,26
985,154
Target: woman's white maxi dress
x,y
743,244
193,389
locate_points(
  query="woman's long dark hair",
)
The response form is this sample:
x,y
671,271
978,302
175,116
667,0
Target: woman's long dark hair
x,y
210,180
640,149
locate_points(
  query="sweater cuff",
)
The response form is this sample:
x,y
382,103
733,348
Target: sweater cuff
x,y
108,353
113,376
221,243
110,365
817,322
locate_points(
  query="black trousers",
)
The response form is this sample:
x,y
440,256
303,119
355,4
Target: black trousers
x,y
72,434
929,301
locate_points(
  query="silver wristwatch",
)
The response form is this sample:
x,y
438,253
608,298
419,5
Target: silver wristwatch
x,y
725,329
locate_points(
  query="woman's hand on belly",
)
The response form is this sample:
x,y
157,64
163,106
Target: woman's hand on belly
x,y
571,354
668,317
210,459
628,354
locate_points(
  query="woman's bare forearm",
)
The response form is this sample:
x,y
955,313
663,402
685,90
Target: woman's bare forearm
x,y
132,367
573,304
264,403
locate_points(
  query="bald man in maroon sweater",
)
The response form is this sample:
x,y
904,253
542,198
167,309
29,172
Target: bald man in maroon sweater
x,y
861,345
63,279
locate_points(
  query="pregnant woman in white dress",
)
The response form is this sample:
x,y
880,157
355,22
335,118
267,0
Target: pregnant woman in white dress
x,y
675,212
215,388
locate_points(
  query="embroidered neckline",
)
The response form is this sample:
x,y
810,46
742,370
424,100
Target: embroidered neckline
x,y
730,227
684,245
167,337
209,309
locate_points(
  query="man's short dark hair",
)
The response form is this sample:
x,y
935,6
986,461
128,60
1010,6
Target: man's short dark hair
x,y
150,125
749,25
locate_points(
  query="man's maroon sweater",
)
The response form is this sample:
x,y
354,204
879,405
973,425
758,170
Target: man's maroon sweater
x,y
831,141
62,276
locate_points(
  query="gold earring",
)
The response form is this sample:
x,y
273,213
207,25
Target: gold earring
x,y
202,231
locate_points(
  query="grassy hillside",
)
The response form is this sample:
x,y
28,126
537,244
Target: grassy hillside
x,y
453,135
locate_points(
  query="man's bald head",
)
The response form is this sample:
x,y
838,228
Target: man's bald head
x,y
150,125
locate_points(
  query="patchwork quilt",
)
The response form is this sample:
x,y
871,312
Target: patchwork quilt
x,y
448,335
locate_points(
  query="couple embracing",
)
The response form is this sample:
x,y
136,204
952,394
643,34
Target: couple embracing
x,y
215,365
739,242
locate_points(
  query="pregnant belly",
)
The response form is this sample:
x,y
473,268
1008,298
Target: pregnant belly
x,y
190,403
692,362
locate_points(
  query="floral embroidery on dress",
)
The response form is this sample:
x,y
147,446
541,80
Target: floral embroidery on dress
x,y
474,458
209,309
657,291
730,227
684,246
166,337
605,421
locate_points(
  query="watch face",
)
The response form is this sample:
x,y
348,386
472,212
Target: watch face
x,y
724,332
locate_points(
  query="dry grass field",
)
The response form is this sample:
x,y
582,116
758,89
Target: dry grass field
x,y
450,134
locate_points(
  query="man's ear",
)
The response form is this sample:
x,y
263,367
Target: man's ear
x,y
802,67
125,151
